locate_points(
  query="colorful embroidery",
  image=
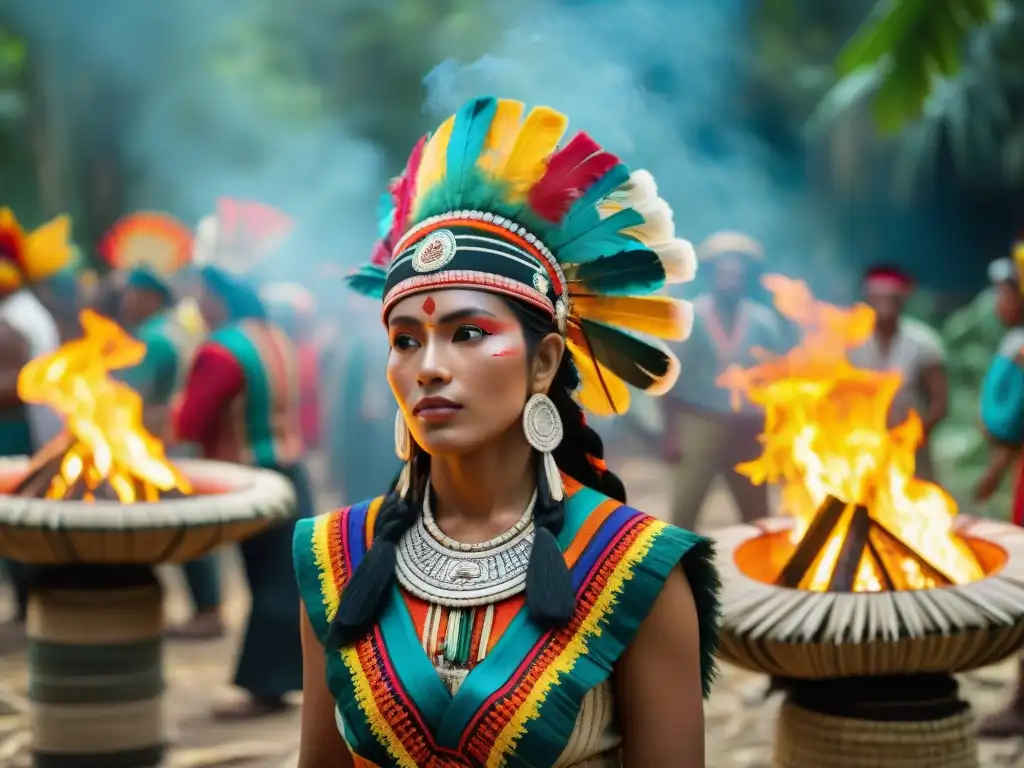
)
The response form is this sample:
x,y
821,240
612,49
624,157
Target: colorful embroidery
x,y
518,705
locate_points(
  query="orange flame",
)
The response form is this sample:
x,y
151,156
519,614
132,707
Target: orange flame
x,y
826,434
104,416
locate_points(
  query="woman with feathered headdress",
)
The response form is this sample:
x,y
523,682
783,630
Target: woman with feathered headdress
x,y
501,605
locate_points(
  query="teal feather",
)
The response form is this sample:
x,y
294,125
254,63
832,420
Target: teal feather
x,y
368,280
597,241
469,134
385,214
635,272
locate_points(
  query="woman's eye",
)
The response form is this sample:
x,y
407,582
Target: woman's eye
x,y
469,333
404,341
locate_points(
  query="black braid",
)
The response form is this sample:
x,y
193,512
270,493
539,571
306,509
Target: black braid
x,y
550,598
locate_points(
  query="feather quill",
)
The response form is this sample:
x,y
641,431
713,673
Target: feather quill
x,y
537,140
659,316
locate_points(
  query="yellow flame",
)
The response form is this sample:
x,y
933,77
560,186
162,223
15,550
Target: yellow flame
x,y
826,434
103,415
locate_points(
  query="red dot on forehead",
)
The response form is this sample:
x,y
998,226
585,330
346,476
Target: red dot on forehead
x,y
429,306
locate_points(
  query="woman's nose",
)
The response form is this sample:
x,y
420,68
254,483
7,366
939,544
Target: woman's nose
x,y
434,368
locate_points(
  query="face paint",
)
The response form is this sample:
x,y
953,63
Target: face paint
x,y
429,305
504,353
490,325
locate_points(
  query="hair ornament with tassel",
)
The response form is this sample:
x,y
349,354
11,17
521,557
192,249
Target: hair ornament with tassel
x,y
494,200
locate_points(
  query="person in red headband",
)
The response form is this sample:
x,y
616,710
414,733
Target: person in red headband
x,y
910,347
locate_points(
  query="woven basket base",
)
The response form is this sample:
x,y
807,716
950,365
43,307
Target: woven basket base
x,y
806,739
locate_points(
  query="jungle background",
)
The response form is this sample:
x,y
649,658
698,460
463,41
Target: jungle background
x,y
839,134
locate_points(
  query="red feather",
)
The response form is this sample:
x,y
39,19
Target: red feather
x,y
570,172
402,191
249,226
381,256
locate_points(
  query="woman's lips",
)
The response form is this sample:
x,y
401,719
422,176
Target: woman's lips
x,y
436,409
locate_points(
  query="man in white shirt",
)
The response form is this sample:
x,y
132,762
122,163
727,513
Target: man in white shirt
x,y
909,346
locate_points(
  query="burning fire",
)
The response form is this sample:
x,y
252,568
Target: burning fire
x,y
109,443
826,434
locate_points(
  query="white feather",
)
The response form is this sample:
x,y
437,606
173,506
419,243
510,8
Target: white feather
x,y
679,259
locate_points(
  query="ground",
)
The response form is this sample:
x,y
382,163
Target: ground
x,y
739,720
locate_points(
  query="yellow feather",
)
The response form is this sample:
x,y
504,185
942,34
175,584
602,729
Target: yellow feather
x,y
501,138
598,384
658,316
8,221
47,249
536,142
434,162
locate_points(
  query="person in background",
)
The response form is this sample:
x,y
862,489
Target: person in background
x,y
293,309
27,330
909,346
361,406
1002,418
704,437
150,250
239,406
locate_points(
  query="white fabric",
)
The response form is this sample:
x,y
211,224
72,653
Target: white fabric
x,y
915,348
26,314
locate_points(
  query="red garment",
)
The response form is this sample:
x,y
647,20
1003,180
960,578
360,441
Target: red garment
x,y
309,393
203,414
1018,494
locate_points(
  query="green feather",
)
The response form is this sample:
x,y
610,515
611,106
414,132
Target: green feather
x,y
466,144
368,280
385,214
586,206
576,247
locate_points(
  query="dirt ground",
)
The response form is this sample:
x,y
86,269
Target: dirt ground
x,y
739,719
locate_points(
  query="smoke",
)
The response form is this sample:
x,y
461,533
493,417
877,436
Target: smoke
x,y
201,101
660,84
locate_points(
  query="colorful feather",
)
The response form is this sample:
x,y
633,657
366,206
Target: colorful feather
x,y
466,145
403,190
431,171
601,392
645,364
659,316
368,280
250,228
570,172
154,240
537,140
501,138
603,239
630,273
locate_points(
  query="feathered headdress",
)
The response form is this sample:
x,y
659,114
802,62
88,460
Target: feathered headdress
x,y
239,235
27,257
730,242
152,241
490,202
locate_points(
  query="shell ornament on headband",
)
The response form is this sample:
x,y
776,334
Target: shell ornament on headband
x,y
490,202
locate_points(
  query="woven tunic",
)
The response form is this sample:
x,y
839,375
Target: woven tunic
x,y
518,695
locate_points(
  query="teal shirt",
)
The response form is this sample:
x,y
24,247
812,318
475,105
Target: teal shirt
x,y
1002,392
157,377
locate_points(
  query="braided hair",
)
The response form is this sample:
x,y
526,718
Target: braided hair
x,y
550,597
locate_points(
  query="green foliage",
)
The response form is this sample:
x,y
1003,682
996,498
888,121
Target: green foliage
x,y
972,336
910,45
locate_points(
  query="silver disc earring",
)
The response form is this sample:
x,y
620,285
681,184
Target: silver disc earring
x,y
543,429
